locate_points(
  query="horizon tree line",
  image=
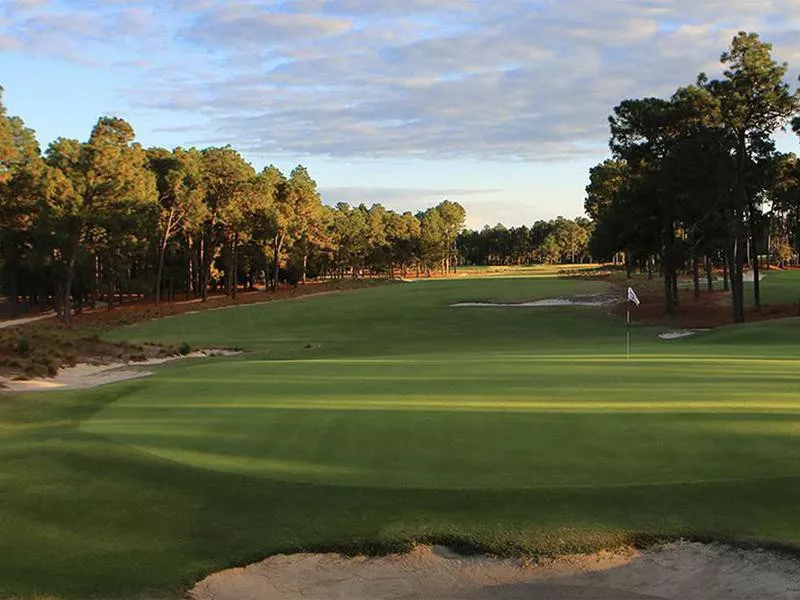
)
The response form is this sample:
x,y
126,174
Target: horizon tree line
x,y
555,241
107,218
695,182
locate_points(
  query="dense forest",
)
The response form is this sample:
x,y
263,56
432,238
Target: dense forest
x,y
695,182
545,242
97,221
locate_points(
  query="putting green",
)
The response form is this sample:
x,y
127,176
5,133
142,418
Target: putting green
x,y
391,387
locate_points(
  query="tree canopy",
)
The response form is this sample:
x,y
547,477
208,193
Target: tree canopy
x,y
96,221
696,178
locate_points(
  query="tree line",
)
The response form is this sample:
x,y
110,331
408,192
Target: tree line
x,y
94,221
695,182
556,241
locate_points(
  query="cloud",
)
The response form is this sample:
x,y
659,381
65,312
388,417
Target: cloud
x,y
502,80
252,28
8,42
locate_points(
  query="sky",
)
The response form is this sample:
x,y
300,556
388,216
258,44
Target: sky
x,y
500,105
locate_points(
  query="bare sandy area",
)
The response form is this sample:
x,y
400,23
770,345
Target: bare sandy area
x,y
8,323
750,276
547,302
84,376
679,571
680,333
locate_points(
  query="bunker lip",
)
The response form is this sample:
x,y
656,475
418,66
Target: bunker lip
x,y
681,570
595,301
86,375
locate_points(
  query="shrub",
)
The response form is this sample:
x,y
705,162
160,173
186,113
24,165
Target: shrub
x,y
184,349
23,346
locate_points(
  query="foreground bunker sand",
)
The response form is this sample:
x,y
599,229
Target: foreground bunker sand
x,y
679,571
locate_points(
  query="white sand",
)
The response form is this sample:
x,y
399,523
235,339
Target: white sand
x,y
674,335
681,571
680,333
750,277
589,301
84,376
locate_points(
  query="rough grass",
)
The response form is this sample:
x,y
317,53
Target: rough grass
x,y
41,348
777,287
366,421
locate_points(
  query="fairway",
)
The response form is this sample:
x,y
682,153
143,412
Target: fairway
x,y
500,421
367,420
420,394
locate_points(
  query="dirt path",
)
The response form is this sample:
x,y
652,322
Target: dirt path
x,y
23,320
681,571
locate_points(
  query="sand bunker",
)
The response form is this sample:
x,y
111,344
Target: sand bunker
x,y
84,376
577,301
685,571
750,276
680,333
674,335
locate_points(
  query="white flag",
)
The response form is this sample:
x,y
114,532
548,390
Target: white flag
x,y
632,297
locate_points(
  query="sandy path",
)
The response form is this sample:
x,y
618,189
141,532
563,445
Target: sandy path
x,y
16,322
85,376
685,571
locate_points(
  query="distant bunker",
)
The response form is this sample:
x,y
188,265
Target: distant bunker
x,y
544,303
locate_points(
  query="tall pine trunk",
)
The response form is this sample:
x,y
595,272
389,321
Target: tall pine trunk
x,y
228,265
189,270
13,287
109,273
65,304
726,285
162,251
205,260
670,301
235,276
736,270
754,259
277,245
674,286
628,265
667,260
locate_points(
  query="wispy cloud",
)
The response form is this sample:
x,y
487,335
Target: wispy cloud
x,y
509,79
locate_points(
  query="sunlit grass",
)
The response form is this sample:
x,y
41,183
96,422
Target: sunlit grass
x,y
366,421
777,287
418,362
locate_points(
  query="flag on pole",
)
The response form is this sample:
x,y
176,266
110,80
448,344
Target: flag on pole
x,y
632,297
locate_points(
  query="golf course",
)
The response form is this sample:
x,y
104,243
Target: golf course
x,y
367,421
